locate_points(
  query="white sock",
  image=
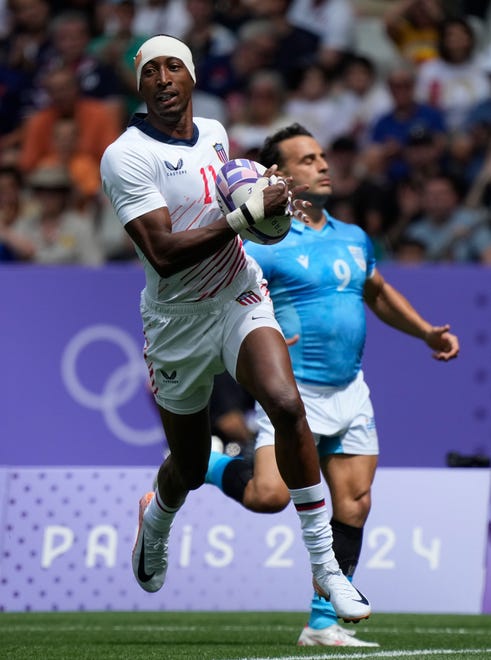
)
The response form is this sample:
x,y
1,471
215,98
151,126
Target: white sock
x,y
158,515
314,520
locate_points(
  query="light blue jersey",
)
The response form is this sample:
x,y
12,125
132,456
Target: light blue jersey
x,y
316,280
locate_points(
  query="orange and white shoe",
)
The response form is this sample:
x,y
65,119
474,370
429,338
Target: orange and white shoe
x,y
348,603
333,635
149,557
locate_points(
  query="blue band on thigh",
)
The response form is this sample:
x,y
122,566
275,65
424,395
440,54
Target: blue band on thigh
x,y
329,445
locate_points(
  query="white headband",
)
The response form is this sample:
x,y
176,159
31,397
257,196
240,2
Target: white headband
x,y
163,46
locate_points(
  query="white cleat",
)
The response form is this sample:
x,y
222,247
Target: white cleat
x,y
149,557
349,604
331,636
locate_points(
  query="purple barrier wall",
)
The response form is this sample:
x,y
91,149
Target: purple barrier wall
x,y
73,385
67,533
425,408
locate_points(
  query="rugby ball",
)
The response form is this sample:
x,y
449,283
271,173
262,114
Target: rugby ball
x,y
233,185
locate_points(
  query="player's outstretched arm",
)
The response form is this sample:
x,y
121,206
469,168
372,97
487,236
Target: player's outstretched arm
x,y
393,308
444,344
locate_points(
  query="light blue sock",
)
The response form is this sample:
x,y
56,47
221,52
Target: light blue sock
x,y
322,614
216,465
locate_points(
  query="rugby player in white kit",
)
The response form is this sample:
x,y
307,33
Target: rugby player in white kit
x,y
205,309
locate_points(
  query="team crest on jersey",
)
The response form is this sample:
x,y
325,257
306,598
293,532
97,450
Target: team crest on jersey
x,y
358,256
303,260
221,153
174,169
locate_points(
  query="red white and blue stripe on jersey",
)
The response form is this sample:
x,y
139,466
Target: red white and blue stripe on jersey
x,y
248,298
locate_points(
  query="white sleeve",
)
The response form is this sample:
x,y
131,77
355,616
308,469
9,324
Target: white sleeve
x,y
129,181
424,78
338,32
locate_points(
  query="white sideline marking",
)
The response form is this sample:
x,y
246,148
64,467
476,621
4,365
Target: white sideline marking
x,y
430,631
458,653
160,627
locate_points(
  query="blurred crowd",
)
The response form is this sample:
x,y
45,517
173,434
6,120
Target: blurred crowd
x,y
398,92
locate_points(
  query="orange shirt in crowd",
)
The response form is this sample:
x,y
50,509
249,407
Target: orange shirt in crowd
x,y
97,127
84,172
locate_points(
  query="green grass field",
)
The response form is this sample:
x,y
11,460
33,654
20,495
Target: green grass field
x,y
231,636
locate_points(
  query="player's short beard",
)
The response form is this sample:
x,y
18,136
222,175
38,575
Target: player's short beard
x,y
317,201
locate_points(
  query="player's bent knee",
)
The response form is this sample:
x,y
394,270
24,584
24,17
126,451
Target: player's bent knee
x,y
270,498
353,511
274,503
286,411
193,480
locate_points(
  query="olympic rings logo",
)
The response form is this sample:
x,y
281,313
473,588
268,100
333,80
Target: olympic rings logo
x,y
120,386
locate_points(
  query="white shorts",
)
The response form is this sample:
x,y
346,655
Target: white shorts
x,y
341,419
187,344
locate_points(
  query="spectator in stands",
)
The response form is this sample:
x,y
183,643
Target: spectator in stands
x,y
479,193
469,147
342,156
82,168
295,47
391,131
476,8
313,101
407,209
424,161
422,155
13,205
264,112
117,48
227,76
409,252
233,13
97,126
58,233
449,230
333,21
364,96
13,84
357,198
483,58
204,36
93,10
209,42
114,239
453,81
4,18
161,17
26,48
412,26
98,80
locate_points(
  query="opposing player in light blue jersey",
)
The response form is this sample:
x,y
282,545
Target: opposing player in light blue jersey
x,y
204,311
320,277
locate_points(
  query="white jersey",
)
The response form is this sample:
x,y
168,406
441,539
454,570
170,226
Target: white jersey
x,y
144,170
